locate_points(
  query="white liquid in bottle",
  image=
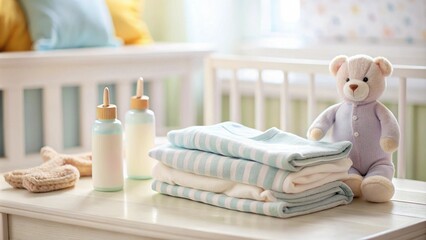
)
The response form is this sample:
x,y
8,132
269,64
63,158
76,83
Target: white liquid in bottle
x,y
107,145
140,136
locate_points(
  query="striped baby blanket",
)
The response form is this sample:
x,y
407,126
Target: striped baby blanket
x,y
288,205
278,174
250,172
273,147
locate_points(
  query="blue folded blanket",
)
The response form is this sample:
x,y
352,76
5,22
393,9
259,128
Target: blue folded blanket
x,y
288,205
273,147
272,160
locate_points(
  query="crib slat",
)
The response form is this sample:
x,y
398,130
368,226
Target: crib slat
x,y
88,112
124,93
156,100
284,103
234,97
209,93
52,116
217,100
402,111
14,123
259,98
187,106
311,99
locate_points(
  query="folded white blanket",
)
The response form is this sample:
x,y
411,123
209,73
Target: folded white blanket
x,y
162,173
315,176
250,172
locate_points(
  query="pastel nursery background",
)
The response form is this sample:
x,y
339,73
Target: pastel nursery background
x,y
319,29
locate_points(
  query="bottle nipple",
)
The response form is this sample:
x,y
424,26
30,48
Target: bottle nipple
x,y
106,97
139,88
139,101
106,110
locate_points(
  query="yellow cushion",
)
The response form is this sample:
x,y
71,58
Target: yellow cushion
x,y
128,24
14,35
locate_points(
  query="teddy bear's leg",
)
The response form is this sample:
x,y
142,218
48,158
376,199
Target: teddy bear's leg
x,y
51,180
354,181
83,162
377,185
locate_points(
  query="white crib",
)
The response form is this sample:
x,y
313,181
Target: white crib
x,y
138,212
239,81
86,68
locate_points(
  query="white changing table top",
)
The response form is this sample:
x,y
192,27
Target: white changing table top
x,y
137,210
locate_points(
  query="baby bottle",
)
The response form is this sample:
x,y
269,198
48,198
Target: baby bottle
x,y
107,147
140,135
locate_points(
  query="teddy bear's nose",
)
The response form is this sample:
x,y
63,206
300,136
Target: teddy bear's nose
x,y
353,86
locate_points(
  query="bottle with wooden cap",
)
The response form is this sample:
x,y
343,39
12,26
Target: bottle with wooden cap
x,y
139,135
107,148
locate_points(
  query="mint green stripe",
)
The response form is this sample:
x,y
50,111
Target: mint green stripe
x,y
254,174
209,197
180,160
221,200
246,205
163,187
246,153
234,202
213,141
214,165
185,192
202,140
191,162
202,166
227,169
241,168
224,147
169,159
235,149
269,181
197,195
259,208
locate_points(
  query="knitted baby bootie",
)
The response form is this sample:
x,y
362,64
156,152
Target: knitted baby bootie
x,y
15,178
57,172
55,179
83,162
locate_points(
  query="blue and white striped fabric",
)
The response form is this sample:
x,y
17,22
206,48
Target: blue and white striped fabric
x,y
273,147
289,205
214,165
267,160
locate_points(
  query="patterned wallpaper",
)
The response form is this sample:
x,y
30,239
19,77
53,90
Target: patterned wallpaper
x,y
364,20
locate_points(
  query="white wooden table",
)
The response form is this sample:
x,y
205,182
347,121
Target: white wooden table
x,y
81,213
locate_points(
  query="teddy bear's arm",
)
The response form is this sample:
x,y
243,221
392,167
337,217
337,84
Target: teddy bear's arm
x,y
323,122
389,139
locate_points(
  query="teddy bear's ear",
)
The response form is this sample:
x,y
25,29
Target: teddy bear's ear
x,y
384,65
336,63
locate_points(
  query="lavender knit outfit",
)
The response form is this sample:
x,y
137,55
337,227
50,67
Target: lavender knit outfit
x,y
363,124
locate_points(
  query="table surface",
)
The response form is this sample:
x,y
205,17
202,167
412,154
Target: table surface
x,y
139,210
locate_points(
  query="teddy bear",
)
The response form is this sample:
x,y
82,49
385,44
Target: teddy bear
x,y
364,121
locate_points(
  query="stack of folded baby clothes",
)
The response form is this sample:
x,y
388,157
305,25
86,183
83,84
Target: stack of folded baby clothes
x,y
272,173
